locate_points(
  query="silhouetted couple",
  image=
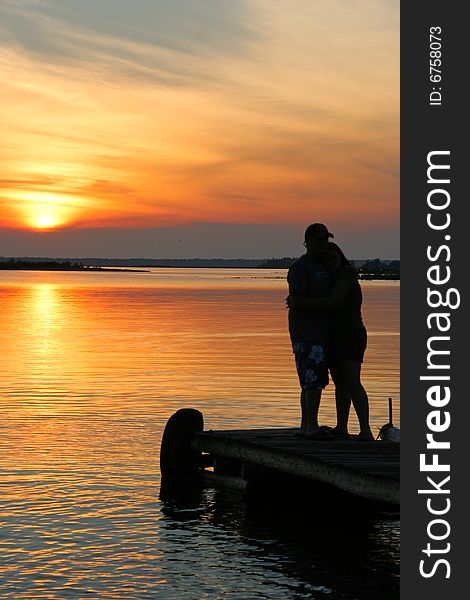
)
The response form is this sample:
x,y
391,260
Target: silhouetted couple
x,y
327,333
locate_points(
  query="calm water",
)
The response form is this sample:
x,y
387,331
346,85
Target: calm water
x,y
93,366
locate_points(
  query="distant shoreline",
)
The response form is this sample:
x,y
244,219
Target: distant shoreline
x,y
74,268
369,270
63,269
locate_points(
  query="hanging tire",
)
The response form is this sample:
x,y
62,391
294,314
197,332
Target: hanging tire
x,y
177,458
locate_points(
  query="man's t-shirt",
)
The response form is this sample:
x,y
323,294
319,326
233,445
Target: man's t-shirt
x,y
306,277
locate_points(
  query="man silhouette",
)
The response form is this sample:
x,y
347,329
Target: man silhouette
x,y
308,329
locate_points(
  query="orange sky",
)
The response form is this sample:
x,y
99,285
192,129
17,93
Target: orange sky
x,y
176,113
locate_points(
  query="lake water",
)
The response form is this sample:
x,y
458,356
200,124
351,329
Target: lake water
x,y
93,366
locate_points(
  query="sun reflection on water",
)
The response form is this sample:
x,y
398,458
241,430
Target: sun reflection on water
x,y
92,371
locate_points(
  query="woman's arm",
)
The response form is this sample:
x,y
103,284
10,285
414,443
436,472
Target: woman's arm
x,y
346,278
311,303
333,302
340,290
303,302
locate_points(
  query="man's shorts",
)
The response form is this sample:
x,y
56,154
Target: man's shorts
x,y
312,369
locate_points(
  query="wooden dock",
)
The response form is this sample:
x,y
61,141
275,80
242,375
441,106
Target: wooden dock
x,y
367,470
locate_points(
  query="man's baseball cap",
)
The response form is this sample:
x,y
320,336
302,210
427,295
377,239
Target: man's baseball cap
x,y
317,230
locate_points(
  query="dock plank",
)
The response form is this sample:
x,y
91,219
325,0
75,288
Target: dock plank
x,y
370,470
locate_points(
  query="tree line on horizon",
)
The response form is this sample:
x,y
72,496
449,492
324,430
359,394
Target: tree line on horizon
x,y
369,269
373,268
18,264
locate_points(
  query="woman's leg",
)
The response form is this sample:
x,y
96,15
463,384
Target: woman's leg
x,y
303,422
342,397
350,373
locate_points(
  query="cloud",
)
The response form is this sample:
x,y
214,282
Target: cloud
x,y
170,43
156,112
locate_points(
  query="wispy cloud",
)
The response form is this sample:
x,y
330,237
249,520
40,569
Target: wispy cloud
x,y
168,43
188,110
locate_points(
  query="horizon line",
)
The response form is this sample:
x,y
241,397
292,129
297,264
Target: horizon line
x,y
172,259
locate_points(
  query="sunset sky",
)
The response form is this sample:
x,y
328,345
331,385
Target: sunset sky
x,y
198,128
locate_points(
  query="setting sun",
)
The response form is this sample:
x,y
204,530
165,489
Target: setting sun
x,y
45,221
44,211
47,215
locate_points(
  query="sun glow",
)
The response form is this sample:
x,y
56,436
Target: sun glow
x,y
45,220
45,211
47,215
